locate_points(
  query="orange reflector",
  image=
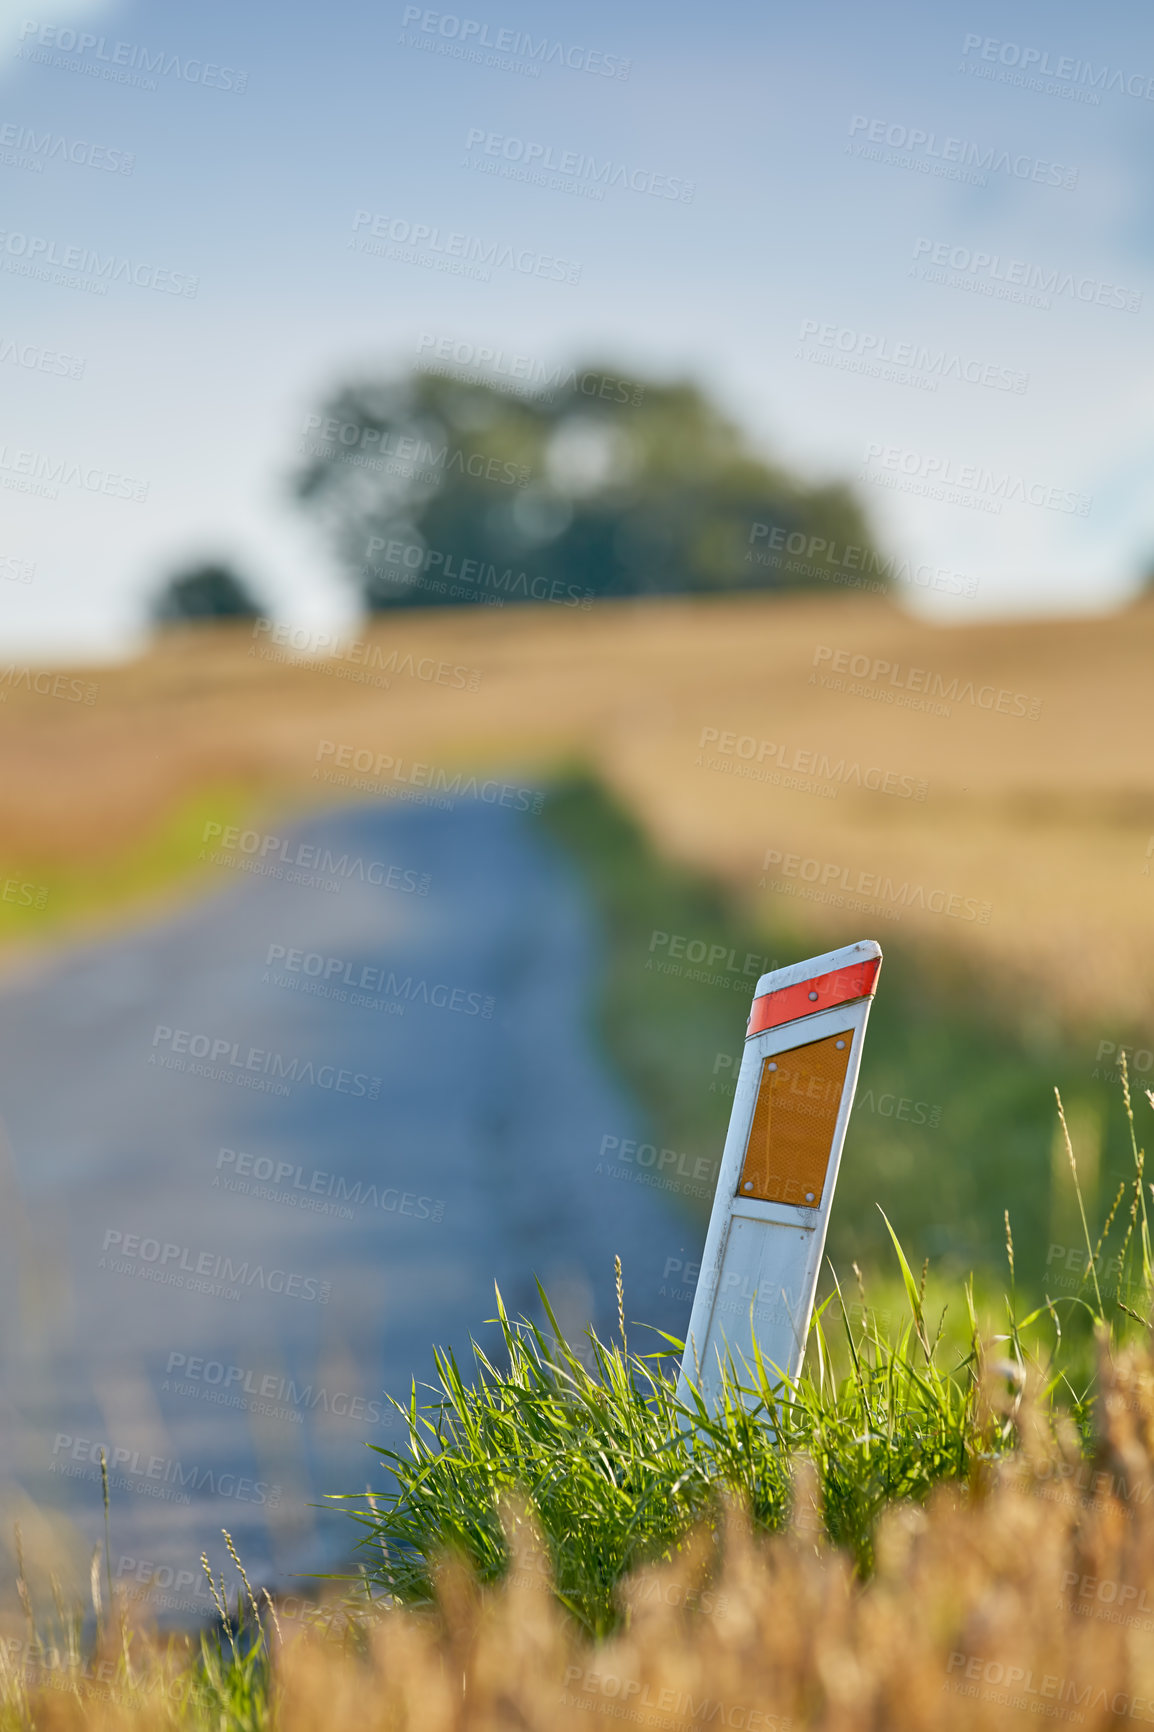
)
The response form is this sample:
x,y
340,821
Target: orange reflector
x,y
793,1123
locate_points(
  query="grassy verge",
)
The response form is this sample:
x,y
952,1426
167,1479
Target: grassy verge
x,y
948,1131
97,887
616,1471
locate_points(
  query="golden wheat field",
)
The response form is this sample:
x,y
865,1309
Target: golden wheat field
x,y
988,787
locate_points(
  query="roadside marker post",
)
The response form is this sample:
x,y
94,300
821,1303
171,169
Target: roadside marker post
x,y
791,1106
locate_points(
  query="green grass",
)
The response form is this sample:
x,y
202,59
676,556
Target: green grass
x,y
616,1472
167,858
945,1042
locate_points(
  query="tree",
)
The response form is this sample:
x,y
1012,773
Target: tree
x,y
211,591
436,491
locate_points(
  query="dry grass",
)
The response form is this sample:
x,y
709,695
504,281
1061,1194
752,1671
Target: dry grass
x,y
1048,820
1028,1594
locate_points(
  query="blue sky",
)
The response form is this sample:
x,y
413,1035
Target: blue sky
x,y
840,276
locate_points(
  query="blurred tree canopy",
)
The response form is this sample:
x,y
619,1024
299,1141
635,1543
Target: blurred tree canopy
x,y
205,592
441,490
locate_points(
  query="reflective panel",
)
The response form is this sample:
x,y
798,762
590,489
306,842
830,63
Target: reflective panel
x,y
793,1123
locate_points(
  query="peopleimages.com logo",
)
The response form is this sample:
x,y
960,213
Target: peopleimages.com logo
x,y
152,1472
321,867
870,352
671,1170
207,1271
1137,1059
959,158
221,1054
301,646
1044,1693
82,267
119,61
38,359
642,1702
14,569
457,358
269,1393
575,168
355,983
468,35
367,447
807,769
450,250
383,766
680,947
44,473
24,895
277,1181
871,672
404,562
938,475
852,562
24,147
841,885
46,685
1014,279
1038,63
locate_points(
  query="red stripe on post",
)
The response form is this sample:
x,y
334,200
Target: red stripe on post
x,y
807,997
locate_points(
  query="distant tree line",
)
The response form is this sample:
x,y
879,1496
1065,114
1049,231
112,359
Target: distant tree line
x,y
440,491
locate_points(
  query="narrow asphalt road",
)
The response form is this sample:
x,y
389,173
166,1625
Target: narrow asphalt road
x,y
262,1157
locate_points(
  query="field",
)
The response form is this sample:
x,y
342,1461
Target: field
x,y
948,1522
1027,854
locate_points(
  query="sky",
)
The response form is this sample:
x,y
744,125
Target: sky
x,y
904,245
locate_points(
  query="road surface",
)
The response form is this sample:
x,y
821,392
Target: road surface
x,y
262,1156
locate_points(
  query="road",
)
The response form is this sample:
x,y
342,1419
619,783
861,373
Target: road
x,y
263,1155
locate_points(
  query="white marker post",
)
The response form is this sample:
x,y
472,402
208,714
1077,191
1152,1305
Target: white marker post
x,y
771,1210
